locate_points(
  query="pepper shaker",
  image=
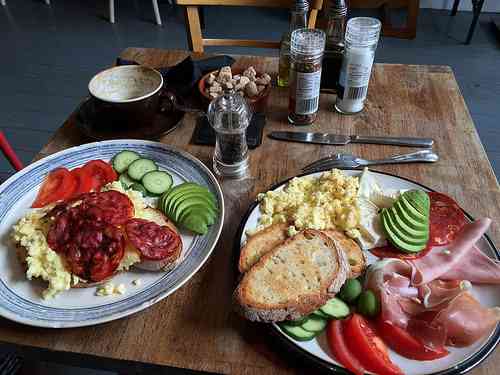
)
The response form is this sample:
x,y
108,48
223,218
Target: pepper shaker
x,y
229,115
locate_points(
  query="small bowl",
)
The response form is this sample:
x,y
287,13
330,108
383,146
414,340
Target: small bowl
x,y
129,94
257,103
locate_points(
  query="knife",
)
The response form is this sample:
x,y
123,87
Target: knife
x,y
339,140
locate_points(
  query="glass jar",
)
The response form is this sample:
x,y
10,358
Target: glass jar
x,y
361,40
229,115
306,53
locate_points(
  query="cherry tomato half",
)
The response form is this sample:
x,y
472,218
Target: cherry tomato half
x,y
84,181
101,173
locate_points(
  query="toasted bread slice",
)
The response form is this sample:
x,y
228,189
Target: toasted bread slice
x,y
261,243
355,255
292,280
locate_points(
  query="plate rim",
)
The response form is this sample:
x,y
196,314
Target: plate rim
x,y
461,368
153,300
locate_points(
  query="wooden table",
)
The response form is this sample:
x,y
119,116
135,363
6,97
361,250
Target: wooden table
x,y
195,328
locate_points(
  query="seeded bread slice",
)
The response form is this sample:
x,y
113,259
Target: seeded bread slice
x,y
261,243
292,280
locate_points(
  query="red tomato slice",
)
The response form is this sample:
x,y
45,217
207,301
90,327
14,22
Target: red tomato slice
x,y
368,348
101,173
405,344
59,184
84,182
339,349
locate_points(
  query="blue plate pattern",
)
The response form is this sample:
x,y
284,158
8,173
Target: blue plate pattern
x,y
17,308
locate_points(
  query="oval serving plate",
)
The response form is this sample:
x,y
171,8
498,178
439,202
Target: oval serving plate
x,y
20,299
459,361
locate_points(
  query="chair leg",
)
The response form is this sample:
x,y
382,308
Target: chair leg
x,y
157,12
455,8
112,11
195,40
477,6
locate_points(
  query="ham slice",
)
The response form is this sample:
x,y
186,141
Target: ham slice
x,y
429,296
460,260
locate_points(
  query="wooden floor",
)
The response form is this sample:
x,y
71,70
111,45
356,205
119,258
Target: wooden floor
x,y
49,53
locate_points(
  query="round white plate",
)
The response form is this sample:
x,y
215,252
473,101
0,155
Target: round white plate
x,y
20,299
460,360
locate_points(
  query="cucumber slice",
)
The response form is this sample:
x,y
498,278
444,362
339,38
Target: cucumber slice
x,y
336,308
297,322
138,168
296,332
123,159
138,187
320,314
125,180
157,182
314,324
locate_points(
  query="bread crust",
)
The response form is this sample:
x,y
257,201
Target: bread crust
x,y
306,303
355,255
261,243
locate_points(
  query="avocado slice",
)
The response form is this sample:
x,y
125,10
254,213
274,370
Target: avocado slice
x,y
199,210
397,241
407,230
191,202
181,192
189,196
397,232
408,220
195,223
419,199
412,211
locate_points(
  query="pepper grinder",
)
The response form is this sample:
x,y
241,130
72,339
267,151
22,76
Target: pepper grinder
x,y
229,115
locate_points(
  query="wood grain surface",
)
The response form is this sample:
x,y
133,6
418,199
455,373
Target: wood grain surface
x,y
195,327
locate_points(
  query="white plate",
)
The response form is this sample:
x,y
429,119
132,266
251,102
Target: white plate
x,y
460,360
20,299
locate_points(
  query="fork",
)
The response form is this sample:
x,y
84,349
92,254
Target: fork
x,y
351,161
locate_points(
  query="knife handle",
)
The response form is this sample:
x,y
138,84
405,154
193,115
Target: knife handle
x,y
395,141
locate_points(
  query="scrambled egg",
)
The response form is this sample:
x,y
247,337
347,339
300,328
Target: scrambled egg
x,y
327,201
110,289
30,232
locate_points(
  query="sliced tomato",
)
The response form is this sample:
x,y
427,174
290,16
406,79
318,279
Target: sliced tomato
x,y
403,343
101,173
368,348
339,349
84,182
390,251
59,184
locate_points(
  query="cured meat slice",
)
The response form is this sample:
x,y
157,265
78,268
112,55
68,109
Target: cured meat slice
x,y
391,251
459,260
85,232
153,241
446,219
111,207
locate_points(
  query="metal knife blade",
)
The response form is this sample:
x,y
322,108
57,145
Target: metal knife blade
x,y
340,140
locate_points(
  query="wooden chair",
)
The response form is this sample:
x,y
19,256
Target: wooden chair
x,y
196,40
412,6
477,6
112,11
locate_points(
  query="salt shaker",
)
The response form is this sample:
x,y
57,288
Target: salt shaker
x,y
361,40
229,115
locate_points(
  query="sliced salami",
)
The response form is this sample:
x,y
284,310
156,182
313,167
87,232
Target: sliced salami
x,y
390,251
110,207
446,219
153,241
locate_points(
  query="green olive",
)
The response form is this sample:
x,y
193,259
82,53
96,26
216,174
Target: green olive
x,y
368,304
350,290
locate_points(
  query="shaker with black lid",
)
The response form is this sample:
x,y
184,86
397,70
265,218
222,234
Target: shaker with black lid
x,y
229,115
